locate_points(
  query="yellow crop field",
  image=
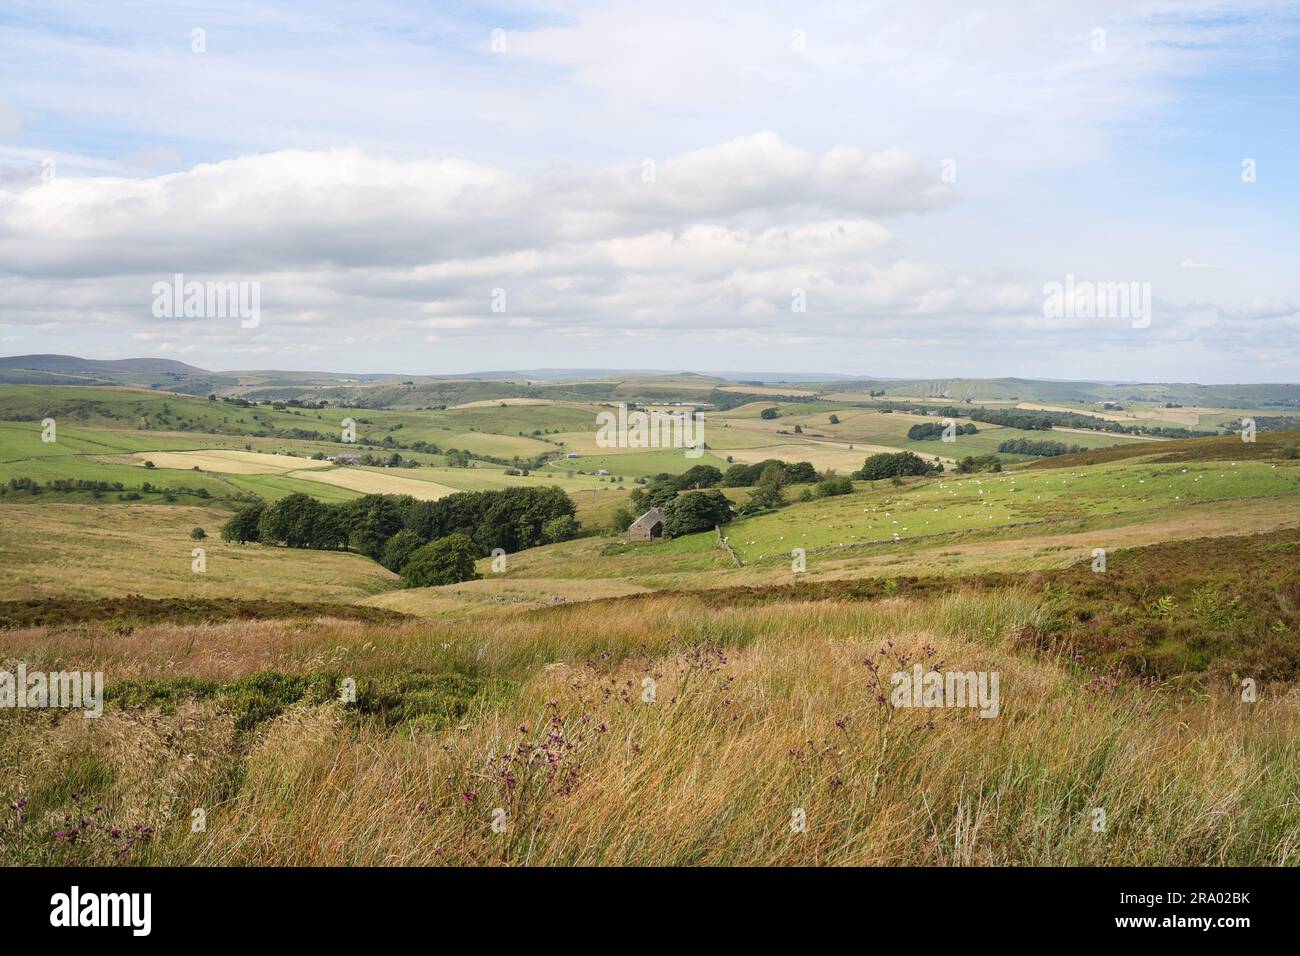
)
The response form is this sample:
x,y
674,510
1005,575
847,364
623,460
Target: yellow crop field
x,y
229,462
377,483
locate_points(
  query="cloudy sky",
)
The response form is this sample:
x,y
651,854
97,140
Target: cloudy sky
x,y
848,188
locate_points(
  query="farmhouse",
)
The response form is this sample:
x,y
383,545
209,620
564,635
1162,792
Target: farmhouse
x,y
647,527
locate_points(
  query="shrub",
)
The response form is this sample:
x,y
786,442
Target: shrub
x,y
832,485
198,534
622,519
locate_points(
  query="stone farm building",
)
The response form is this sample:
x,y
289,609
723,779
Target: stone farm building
x,y
647,527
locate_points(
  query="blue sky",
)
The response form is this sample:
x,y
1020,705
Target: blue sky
x,y
380,170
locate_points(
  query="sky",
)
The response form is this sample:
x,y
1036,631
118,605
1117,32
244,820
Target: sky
x,y
855,189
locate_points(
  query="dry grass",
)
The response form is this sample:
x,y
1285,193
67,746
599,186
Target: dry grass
x,y
758,710
85,551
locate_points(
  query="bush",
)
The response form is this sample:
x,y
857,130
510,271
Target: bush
x,y
831,486
448,560
622,519
971,464
198,534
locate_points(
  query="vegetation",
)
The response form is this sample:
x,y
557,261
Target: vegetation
x,y
345,680
896,465
511,519
448,560
1025,446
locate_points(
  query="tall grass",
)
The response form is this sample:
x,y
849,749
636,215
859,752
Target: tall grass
x,y
757,712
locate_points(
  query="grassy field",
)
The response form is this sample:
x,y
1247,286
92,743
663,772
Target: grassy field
x,y
74,550
649,703
944,506
760,710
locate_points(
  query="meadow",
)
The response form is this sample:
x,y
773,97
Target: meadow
x,y
759,712
595,701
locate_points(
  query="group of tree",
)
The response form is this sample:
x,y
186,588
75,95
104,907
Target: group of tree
x,y
745,476
899,464
663,487
926,431
1016,418
1041,447
399,531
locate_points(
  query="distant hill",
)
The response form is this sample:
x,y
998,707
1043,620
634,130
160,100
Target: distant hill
x,y
158,373
374,389
71,365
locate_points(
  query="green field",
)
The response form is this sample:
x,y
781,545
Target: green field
x,y
991,501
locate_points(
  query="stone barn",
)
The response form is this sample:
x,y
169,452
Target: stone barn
x,y
647,527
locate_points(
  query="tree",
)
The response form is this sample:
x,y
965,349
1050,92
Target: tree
x,y
767,493
198,534
372,519
399,549
799,473
699,476
243,526
658,493
448,560
769,413
291,521
696,511
834,419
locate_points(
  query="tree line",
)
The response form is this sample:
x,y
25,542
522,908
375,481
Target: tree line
x,y
1042,447
926,431
420,540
